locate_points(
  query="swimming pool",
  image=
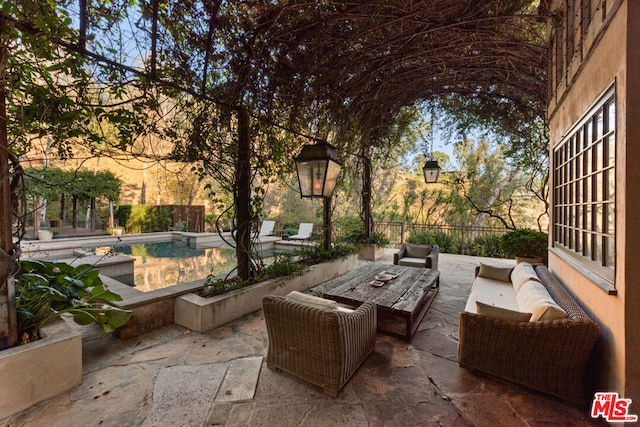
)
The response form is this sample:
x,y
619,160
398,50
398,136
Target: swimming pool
x,y
159,265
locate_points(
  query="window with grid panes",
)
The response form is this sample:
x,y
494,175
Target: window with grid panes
x,y
584,189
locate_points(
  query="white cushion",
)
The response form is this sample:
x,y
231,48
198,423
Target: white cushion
x,y
534,298
312,301
493,292
494,272
521,274
491,310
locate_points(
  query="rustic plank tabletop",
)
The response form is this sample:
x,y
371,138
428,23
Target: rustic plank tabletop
x,y
403,299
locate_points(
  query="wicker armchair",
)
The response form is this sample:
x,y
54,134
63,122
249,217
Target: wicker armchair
x,y
549,356
323,347
424,256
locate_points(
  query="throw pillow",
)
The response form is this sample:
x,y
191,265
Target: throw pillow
x,y
312,301
501,313
521,274
496,273
533,297
417,251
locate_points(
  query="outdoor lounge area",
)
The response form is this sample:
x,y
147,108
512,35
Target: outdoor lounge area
x,y
287,125
172,376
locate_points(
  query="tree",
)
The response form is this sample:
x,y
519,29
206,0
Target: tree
x,y
487,183
55,184
40,87
520,130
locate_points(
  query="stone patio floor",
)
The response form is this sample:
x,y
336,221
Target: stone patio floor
x,y
175,377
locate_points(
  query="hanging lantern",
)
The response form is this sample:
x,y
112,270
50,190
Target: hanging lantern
x,y
318,169
431,171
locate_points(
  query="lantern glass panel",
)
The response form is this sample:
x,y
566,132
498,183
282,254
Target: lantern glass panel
x,y
333,170
311,177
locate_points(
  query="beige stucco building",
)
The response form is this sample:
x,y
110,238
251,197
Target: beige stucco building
x,y
594,87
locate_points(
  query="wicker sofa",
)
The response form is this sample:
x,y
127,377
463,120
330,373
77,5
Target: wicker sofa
x,y
323,346
546,355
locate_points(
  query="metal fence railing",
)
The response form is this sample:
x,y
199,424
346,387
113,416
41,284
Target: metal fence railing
x,y
399,232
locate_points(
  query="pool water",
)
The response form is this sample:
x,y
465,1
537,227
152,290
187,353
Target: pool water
x,y
161,264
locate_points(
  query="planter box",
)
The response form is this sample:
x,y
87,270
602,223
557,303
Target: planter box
x,y
45,235
203,314
370,251
40,370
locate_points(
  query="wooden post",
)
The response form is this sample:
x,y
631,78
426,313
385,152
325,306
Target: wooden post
x,y
8,325
74,214
327,222
243,197
366,196
63,212
92,212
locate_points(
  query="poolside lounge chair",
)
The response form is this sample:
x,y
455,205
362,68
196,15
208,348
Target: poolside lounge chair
x,y
266,229
304,232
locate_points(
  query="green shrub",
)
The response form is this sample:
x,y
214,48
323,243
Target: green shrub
x,y
283,265
377,238
352,231
122,214
146,218
318,253
487,245
448,243
213,286
289,231
348,225
139,220
359,238
525,242
160,218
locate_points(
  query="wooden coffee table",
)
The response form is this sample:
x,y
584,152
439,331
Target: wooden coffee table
x,y
402,302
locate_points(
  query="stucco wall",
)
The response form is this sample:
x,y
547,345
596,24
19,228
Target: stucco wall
x,y
616,365
632,203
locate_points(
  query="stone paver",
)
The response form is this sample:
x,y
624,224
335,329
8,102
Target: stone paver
x,y
171,377
240,382
182,395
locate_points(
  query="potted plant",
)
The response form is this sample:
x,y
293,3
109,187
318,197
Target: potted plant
x,y
49,290
48,360
369,247
45,235
525,244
